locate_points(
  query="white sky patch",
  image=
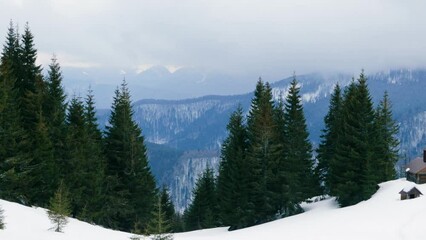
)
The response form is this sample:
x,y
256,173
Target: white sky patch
x,y
122,72
66,60
44,59
18,3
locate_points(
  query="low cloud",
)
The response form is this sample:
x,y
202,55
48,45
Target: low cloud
x,y
271,38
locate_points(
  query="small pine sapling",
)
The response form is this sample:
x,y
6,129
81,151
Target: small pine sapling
x,y
159,227
60,208
137,233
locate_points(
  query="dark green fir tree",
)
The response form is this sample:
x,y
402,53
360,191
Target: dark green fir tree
x,y
353,162
130,185
75,169
387,143
96,162
202,212
329,139
232,183
262,156
11,131
298,149
55,111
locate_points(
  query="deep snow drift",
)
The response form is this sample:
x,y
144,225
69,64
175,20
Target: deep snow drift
x,y
384,216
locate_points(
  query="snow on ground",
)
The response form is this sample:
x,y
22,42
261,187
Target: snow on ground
x,y
384,216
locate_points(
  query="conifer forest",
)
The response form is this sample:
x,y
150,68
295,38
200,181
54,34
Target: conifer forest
x,y
53,153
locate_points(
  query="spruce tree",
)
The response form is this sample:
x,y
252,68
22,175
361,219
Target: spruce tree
x,y
283,172
96,161
386,141
130,184
329,139
28,74
202,212
55,111
232,183
344,172
352,167
75,169
298,149
10,123
40,178
169,210
59,208
262,156
367,135
33,162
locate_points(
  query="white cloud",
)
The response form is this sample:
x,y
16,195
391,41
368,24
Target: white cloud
x,y
271,38
65,60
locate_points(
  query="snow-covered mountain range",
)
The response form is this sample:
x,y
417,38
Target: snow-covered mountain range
x,y
193,129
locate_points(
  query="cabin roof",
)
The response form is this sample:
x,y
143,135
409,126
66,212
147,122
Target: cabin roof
x,y
410,190
416,165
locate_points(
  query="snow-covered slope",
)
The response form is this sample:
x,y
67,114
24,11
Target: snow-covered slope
x,y
384,216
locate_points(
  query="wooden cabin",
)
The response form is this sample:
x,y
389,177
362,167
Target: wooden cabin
x,y
410,193
416,169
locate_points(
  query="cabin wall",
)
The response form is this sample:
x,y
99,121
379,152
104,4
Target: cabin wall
x,y
421,178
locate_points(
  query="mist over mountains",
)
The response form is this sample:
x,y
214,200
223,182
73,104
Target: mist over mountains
x,y
156,82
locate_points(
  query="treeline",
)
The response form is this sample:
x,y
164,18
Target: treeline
x,y
267,167
46,140
267,163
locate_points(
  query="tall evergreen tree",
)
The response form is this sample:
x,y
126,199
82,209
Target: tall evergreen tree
x,y
283,174
39,178
55,111
329,139
232,183
96,162
386,141
28,74
298,149
130,184
202,212
10,123
352,166
83,168
34,161
262,155
75,167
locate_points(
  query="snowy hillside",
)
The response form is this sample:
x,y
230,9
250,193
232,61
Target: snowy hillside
x,y
384,216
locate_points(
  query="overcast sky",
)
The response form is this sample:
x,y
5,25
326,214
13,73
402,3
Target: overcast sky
x,y
269,38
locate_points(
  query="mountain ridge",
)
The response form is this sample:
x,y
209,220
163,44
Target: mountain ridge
x,y
195,124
